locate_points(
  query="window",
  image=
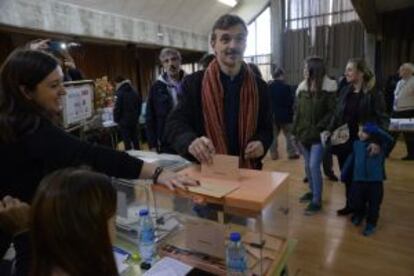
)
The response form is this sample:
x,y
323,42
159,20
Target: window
x,y
258,48
258,39
190,68
302,14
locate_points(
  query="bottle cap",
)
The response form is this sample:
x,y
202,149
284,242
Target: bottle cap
x,y
145,266
135,257
143,212
235,236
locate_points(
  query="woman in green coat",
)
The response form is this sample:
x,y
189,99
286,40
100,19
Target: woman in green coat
x,y
315,104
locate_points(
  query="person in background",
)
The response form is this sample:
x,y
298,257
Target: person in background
x,y
314,108
224,109
282,106
327,163
255,69
389,89
164,95
31,143
404,104
358,102
205,60
126,112
70,71
342,82
327,159
367,173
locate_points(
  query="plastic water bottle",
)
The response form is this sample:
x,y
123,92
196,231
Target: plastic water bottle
x,y
146,239
236,259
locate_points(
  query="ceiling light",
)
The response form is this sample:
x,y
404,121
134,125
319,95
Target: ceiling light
x,y
230,3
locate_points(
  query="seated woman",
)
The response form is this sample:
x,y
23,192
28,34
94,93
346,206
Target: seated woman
x,y
72,223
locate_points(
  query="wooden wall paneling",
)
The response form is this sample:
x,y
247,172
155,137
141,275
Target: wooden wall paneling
x,y
397,44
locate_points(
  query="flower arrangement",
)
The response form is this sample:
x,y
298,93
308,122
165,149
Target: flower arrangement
x,y
104,93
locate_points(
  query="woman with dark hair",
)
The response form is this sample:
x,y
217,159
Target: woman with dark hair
x,y
358,103
314,107
73,224
32,145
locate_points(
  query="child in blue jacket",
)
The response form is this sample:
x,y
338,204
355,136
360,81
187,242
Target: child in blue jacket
x,y
367,174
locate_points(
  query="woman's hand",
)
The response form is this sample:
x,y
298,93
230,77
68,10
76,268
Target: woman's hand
x,y
14,215
173,180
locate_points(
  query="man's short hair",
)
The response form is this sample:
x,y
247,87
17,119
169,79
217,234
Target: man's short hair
x,y
278,72
225,22
169,51
409,66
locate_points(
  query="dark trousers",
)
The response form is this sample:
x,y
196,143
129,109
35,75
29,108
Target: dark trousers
x,y
367,199
327,161
129,135
342,152
408,136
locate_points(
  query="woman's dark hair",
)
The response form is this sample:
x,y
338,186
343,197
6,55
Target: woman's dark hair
x,y
22,70
316,71
278,72
69,224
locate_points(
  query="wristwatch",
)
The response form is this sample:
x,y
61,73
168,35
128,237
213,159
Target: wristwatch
x,y
156,174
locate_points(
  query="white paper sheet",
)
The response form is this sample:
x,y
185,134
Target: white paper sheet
x,y
168,267
120,259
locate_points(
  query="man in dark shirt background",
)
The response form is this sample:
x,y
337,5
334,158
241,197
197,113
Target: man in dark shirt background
x,y
126,112
282,98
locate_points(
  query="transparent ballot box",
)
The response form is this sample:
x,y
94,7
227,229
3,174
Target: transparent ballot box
x,y
194,228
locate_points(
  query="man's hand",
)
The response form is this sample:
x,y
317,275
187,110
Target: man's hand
x,y
373,149
254,149
14,215
69,64
173,180
202,149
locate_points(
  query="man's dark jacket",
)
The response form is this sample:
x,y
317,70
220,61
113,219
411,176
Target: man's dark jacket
x,y
128,106
283,99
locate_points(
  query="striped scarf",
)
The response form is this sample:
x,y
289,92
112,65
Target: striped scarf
x,y
212,98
